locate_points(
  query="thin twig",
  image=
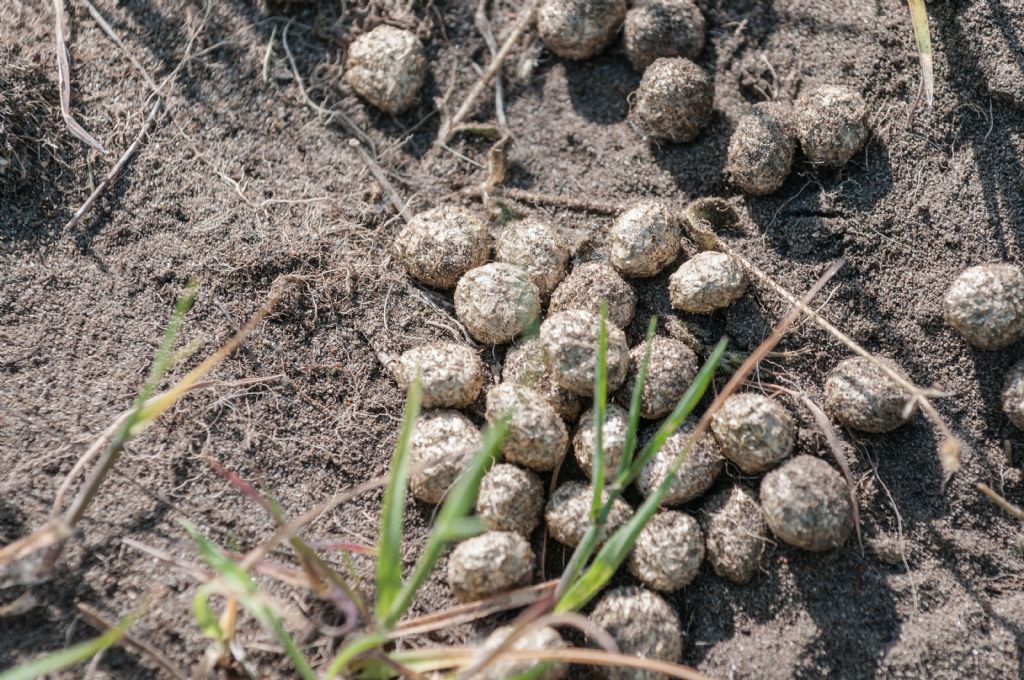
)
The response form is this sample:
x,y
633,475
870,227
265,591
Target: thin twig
x,y
533,198
331,114
382,179
1008,507
101,623
64,80
448,127
95,13
118,168
474,611
483,24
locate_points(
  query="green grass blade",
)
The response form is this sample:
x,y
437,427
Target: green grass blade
x,y
238,584
389,558
165,355
615,550
600,405
351,650
629,445
456,507
65,658
919,17
684,407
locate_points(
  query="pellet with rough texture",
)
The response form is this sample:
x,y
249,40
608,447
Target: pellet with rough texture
x,y
642,624
544,637
662,28
590,284
985,305
387,67
668,552
671,368
525,364
831,122
451,374
496,302
567,513
761,150
1013,395
510,499
613,440
707,281
579,29
441,445
644,239
807,504
862,396
489,564
754,431
439,245
674,101
700,467
536,436
571,340
536,247
735,534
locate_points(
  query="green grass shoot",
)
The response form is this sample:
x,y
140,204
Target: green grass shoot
x,y
611,556
389,559
72,656
600,405
235,582
919,18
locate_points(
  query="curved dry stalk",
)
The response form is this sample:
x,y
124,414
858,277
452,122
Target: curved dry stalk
x,y
451,657
1007,507
473,611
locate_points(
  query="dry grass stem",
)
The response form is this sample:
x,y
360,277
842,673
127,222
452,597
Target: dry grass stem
x,y
330,114
101,623
474,611
118,167
1007,507
448,127
64,80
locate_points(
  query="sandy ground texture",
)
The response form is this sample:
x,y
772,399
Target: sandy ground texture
x,y
243,179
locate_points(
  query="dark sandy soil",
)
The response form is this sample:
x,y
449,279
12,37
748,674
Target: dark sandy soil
x,y
242,182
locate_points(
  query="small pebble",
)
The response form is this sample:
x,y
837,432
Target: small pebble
x,y
441,445
387,67
807,504
671,368
568,514
754,431
439,245
985,305
536,436
674,100
1013,395
707,281
579,29
642,624
735,534
496,302
662,28
644,240
451,374
539,249
525,365
861,396
571,342
613,440
489,564
668,552
761,151
510,499
590,284
831,122
698,472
